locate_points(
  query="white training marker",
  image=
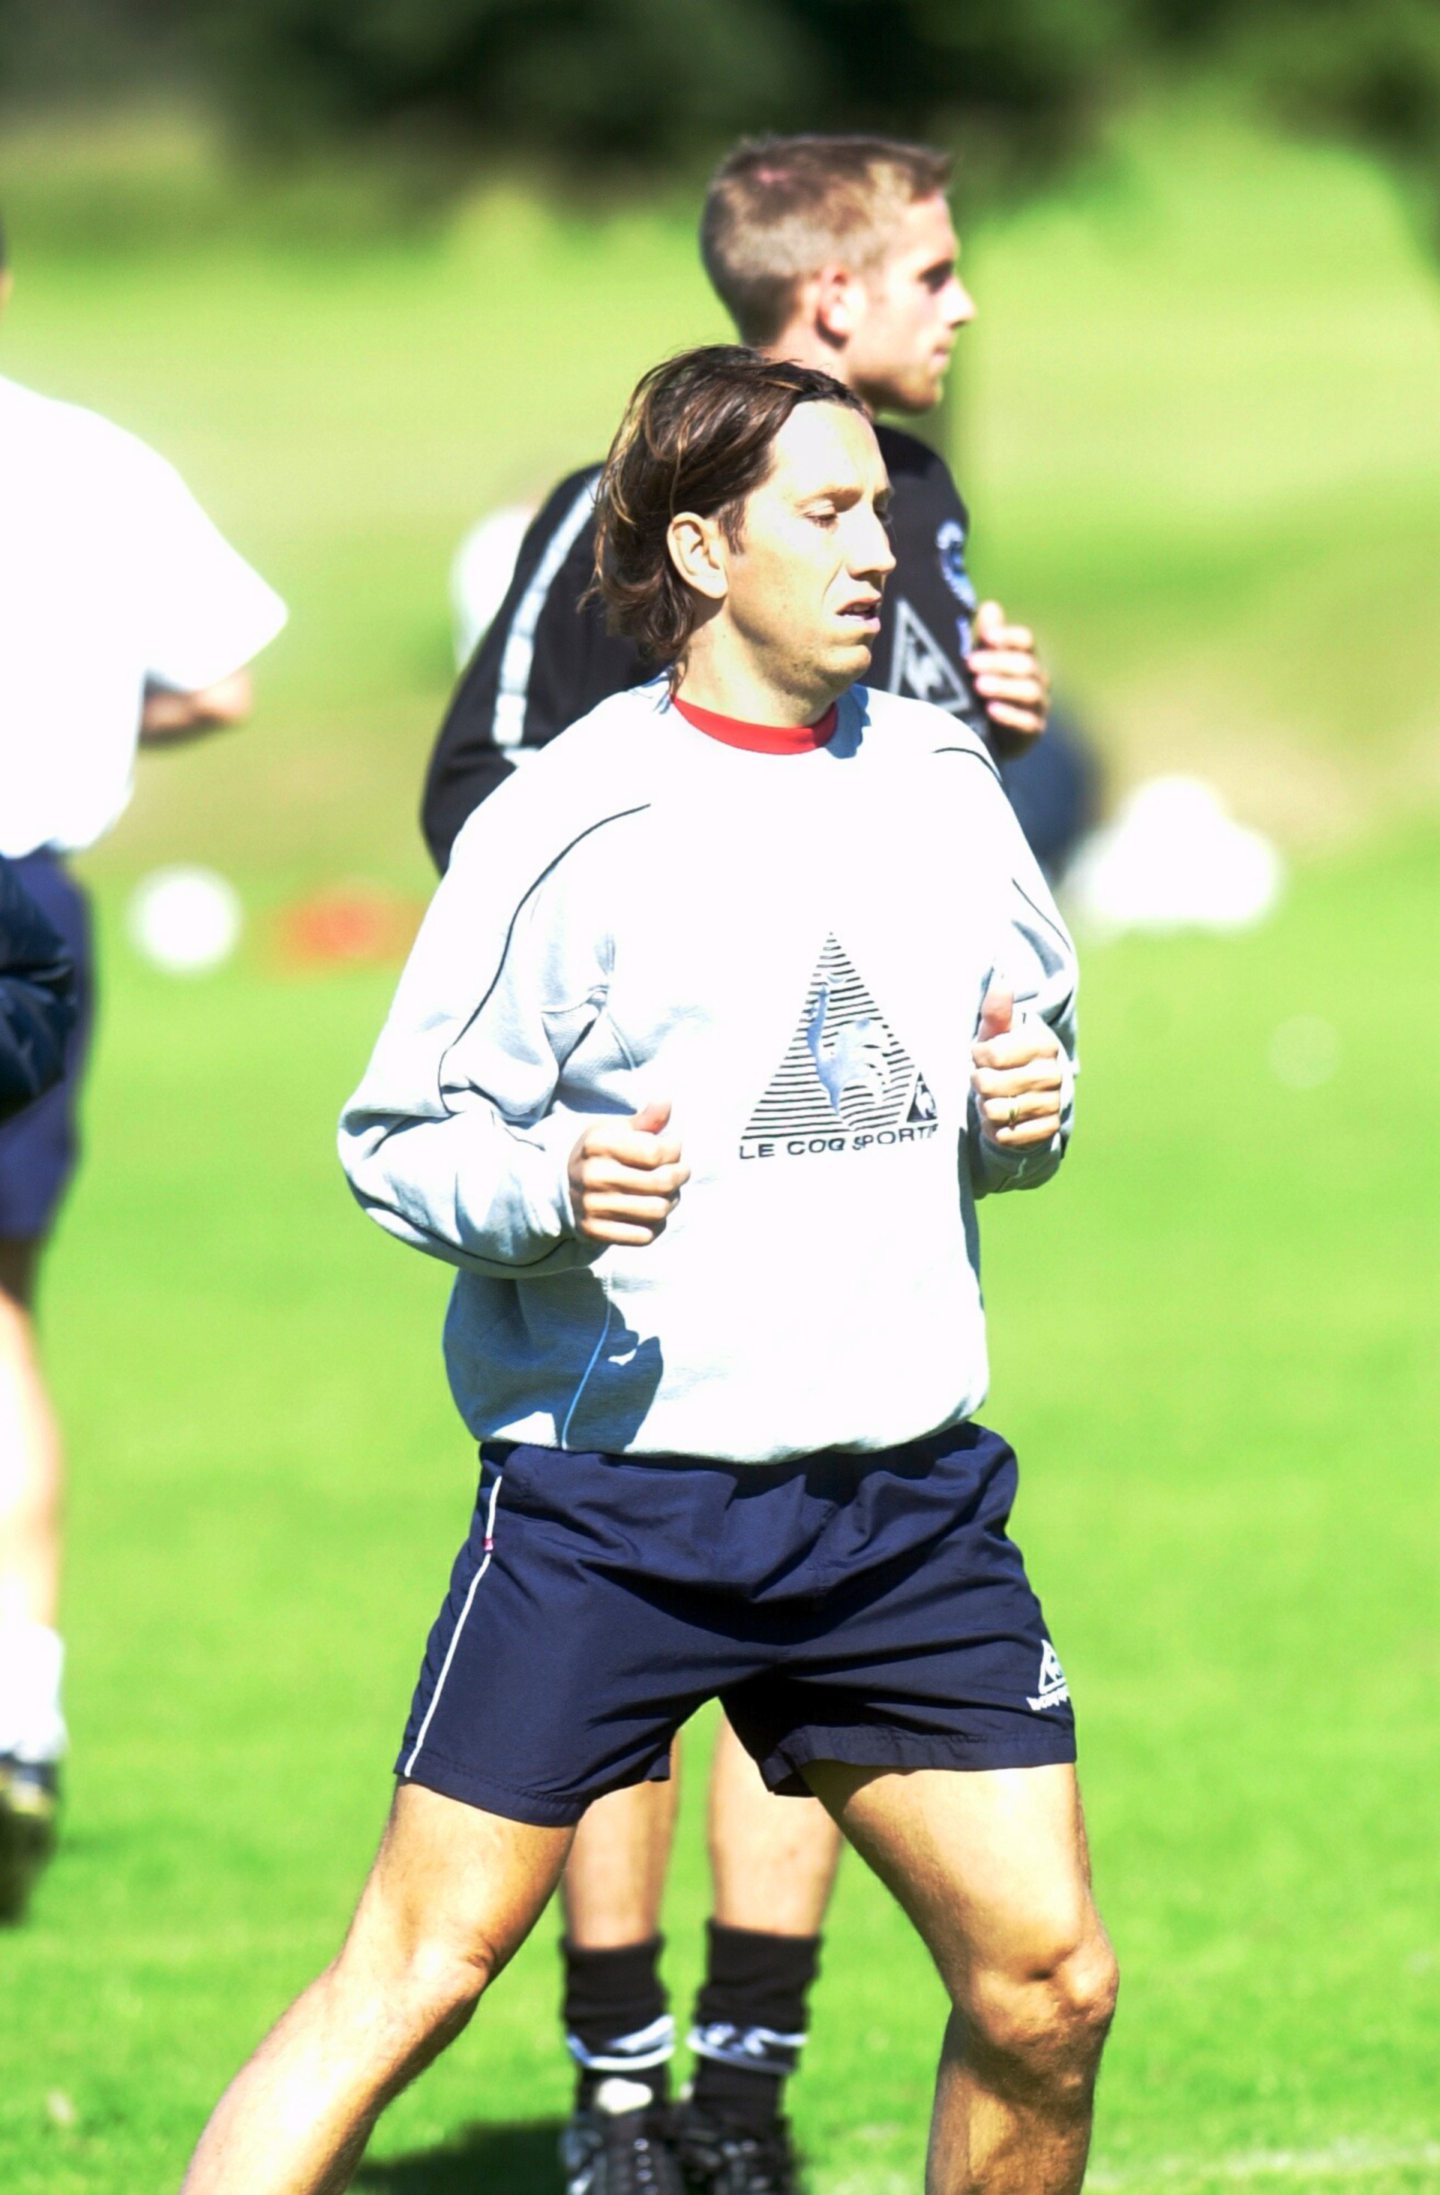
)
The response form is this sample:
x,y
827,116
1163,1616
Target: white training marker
x,y
1172,859
184,920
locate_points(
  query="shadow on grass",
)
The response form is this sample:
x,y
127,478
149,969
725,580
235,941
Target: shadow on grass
x,y
481,2160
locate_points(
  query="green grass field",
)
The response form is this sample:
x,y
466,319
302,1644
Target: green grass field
x,y
1203,441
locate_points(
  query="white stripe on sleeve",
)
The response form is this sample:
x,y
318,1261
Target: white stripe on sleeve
x,y
516,664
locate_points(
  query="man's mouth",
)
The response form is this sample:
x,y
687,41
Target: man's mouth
x,y
863,612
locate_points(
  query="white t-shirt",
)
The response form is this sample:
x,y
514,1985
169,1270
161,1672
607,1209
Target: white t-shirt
x,y
111,577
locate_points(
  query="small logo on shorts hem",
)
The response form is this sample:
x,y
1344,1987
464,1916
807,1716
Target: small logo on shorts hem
x,y
1053,1688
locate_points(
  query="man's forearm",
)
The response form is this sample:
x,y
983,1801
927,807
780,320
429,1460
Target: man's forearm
x,y
170,715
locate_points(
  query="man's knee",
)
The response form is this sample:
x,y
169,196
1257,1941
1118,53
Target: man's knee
x,y
452,1976
414,1997
443,1983
452,1895
415,1952
1042,2028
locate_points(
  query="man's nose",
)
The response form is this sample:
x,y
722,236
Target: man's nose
x,y
876,559
959,304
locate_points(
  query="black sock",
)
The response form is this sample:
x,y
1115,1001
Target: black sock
x,y
750,2023
616,2022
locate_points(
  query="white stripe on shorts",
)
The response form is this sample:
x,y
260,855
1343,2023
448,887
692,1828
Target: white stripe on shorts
x,y
455,1636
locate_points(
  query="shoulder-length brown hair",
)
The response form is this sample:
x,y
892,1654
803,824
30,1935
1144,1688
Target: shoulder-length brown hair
x,y
697,435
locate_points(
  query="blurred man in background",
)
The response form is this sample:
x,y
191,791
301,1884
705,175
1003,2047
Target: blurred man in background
x,y
838,253
124,616
37,1013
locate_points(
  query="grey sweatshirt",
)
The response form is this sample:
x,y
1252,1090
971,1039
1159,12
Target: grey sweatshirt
x,y
792,950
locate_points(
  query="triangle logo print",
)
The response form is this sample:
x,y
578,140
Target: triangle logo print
x,y
1053,1688
919,665
845,1079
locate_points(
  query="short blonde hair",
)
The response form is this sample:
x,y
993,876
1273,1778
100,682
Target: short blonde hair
x,y
778,208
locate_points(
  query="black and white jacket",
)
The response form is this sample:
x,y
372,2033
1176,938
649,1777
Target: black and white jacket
x,y
547,659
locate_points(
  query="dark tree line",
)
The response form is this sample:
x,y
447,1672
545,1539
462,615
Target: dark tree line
x,y
612,90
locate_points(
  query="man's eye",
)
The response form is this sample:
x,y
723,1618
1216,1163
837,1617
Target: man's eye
x,y
822,517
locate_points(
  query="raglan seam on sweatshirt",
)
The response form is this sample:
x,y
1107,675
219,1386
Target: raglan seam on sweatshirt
x,y
1054,927
442,1089
974,755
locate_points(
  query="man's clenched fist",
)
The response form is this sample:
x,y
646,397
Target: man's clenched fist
x,y
1009,678
626,1178
1019,1074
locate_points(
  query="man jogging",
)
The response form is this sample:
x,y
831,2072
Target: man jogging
x,y
125,618
728,1010
840,253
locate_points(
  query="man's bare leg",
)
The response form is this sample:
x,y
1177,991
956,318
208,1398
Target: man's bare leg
x,y
31,1470
615,1876
992,1868
615,2009
773,1860
32,1725
773,1865
451,1897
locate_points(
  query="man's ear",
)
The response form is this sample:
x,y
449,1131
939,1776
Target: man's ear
x,y
697,551
837,301
7,284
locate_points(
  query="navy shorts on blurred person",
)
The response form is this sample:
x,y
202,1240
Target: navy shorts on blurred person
x,y
866,1609
39,1147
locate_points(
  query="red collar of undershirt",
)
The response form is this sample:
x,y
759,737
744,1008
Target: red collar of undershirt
x,y
762,739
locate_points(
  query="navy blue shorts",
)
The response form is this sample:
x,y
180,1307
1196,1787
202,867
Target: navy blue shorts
x,y
866,1609
39,1147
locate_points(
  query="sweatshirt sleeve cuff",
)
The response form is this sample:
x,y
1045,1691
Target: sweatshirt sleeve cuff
x,y
547,1180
